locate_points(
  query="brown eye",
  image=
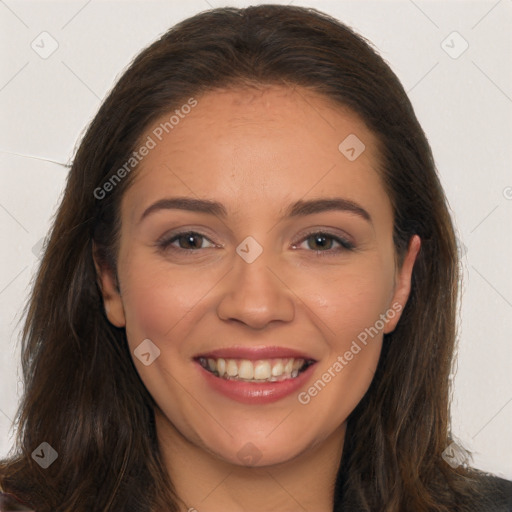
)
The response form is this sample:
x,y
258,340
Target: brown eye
x,y
321,242
187,241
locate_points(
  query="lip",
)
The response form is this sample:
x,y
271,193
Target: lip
x,y
254,353
255,393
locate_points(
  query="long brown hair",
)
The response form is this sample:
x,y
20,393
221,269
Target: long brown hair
x,y
83,395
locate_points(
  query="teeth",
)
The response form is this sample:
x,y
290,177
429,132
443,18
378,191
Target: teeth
x,y
272,370
246,370
277,369
262,370
221,366
231,368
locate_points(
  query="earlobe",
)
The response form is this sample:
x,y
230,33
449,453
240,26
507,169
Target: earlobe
x,y
403,283
112,300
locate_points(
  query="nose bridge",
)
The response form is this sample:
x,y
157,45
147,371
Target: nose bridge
x,y
254,295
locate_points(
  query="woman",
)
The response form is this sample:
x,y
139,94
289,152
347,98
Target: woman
x,y
248,298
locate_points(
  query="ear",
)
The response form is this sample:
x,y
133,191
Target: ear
x,y
107,283
403,284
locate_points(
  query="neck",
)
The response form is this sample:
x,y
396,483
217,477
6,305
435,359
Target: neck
x,y
206,483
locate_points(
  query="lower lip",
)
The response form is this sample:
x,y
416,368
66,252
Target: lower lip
x,y
255,393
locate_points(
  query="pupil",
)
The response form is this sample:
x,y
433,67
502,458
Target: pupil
x,y
189,241
321,241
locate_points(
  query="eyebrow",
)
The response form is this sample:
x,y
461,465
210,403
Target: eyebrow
x,y
300,208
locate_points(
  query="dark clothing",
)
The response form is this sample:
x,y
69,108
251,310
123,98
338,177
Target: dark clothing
x,y
498,499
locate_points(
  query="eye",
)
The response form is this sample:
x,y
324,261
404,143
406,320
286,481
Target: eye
x,y
322,242
187,240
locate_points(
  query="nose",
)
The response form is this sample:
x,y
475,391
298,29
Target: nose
x,y
255,295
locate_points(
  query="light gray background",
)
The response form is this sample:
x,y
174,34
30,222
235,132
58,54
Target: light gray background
x,y
464,105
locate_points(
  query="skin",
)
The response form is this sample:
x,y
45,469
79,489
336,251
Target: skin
x,y
256,151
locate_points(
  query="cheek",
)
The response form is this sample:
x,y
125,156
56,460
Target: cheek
x,y
351,308
161,306
351,299
158,303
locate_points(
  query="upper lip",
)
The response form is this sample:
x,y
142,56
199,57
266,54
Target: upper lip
x,y
254,353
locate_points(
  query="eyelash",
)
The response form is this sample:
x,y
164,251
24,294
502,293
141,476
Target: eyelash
x,y
345,245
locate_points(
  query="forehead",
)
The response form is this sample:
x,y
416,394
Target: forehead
x,y
242,146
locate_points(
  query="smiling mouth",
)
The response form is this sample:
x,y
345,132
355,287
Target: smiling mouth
x,y
262,370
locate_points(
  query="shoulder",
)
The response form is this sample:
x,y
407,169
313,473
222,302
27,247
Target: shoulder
x,y
495,495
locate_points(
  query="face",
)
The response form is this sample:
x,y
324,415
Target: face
x,y
252,243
